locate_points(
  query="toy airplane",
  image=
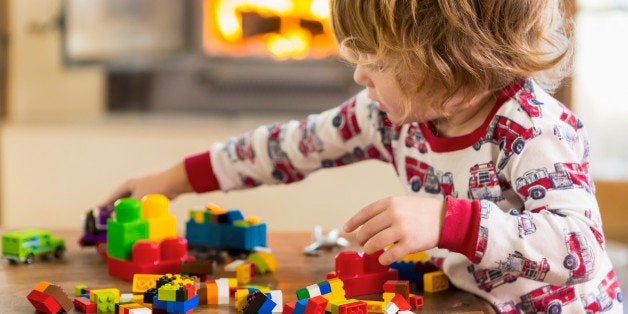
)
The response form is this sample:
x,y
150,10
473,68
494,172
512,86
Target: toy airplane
x,y
321,241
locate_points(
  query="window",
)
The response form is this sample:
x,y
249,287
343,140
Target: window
x,y
600,87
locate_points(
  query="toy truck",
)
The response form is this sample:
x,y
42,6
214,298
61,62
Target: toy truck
x,y
27,244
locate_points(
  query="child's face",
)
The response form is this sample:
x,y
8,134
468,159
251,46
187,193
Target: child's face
x,y
383,87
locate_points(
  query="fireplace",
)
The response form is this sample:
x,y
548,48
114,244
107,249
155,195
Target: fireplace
x,y
237,55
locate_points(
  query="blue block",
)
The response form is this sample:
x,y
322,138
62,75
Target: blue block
x,y
299,307
267,307
158,304
234,215
324,287
182,307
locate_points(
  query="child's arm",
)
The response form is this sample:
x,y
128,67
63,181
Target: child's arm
x,y
170,182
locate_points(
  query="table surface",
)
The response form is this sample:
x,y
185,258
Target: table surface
x,y
84,266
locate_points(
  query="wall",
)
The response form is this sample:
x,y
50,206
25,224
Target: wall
x,y
39,86
53,172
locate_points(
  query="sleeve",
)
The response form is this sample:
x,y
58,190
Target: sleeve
x,y
556,237
287,152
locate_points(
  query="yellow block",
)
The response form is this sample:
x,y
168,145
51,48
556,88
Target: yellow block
x,y
373,306
271,261
435,281
240,298
243,273
143,282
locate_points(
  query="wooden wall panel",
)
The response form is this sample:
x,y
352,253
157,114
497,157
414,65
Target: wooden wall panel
x,y
612,197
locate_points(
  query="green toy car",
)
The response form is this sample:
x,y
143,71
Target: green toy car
x,y
24,245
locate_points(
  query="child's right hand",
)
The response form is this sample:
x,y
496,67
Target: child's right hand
x,y
171,182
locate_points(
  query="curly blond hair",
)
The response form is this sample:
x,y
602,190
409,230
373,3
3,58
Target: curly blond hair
x,y
462,45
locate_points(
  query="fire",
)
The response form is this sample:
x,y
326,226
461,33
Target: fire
x,y
282,29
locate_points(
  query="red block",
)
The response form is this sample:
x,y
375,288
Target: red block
x,y
362,274
82,304
359,307
398,286
288,308
401,302
42,302
416,301
316,305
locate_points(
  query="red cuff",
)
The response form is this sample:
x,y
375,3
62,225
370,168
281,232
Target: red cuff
x,y
200,173
461,225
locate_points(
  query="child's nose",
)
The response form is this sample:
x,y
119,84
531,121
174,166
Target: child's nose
x,y
360,76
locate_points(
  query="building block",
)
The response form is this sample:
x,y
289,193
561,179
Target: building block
x,y
260,263
234,215
225,236
349,306
277,297
140,310
59,295
415,301
161,224
151,258
125,228
240,298
243,273
143,282
316,305
42,302
254,302
105,299
374,306
398,286
401,302
300,306
182,307
391,308
79,290
288,308
271,261
83,305
361,274
435,281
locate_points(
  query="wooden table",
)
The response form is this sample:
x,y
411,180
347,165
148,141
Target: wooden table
x,y
85,266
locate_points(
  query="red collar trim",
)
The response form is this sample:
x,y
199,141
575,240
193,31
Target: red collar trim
x,y
448,144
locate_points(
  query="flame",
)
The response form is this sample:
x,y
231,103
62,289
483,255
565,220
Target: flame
x,y
292,40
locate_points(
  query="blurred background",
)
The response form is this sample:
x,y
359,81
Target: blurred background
x,y
93,92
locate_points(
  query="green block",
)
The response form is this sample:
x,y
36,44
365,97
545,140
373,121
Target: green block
x,y
303,293
105,302
127,228
78,290
260,264
167,292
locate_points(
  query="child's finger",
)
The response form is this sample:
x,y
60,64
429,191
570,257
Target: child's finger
x,y
380,240
372,227
393,254
362,216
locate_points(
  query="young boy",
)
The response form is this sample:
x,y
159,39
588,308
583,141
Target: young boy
x,y
495,168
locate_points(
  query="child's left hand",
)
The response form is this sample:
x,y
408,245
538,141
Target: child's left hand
x,y
412,223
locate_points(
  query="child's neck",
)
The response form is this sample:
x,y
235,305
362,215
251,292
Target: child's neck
x,y
466,118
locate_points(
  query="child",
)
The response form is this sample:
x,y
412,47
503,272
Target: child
x,y
456,100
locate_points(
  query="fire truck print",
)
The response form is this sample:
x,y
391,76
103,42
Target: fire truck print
x,y
480,247
525,225
415,138
346,121
483,183
249,181
420,174
548,299
528,100
369,152
508,135
608,290
241,148
554,211
536,182
283,169
566,133
310,142
568,117
515,266
507,308
579,260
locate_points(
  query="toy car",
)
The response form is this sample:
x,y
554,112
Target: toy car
x,y
27,244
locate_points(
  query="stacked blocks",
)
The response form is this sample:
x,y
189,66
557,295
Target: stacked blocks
x,y
175,294
162,225
435,281
362,273
126,228
221,229
147,245
49,298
